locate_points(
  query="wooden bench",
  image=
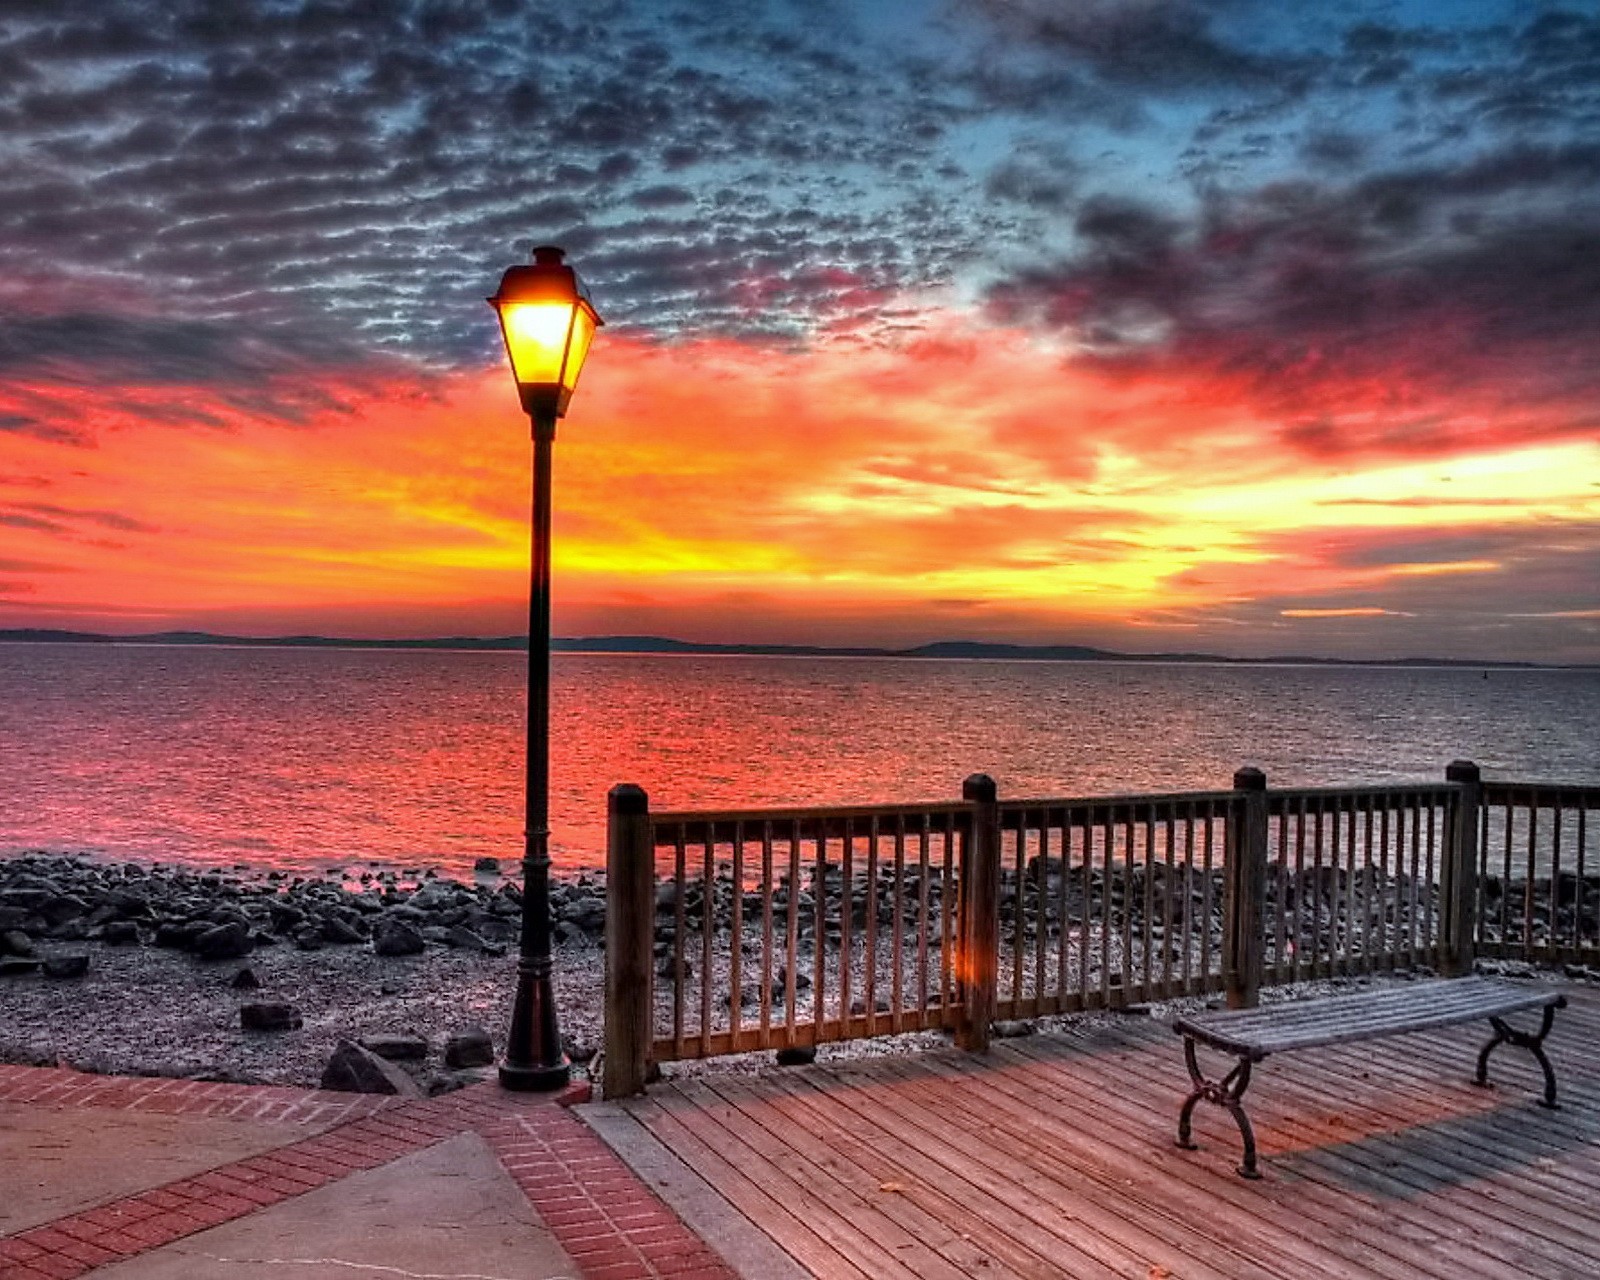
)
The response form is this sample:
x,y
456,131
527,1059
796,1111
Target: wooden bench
x,y
1253,1034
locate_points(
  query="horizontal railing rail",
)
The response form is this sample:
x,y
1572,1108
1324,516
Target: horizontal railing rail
x,y
748,929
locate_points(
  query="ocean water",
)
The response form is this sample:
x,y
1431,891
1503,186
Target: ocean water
x,y
310,759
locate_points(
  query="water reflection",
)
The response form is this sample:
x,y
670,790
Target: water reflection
x,y
306,758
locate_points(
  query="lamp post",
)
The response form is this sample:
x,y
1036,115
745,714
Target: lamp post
x,y
548,323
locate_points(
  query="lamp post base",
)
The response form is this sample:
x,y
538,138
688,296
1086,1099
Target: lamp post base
x,y
536,1079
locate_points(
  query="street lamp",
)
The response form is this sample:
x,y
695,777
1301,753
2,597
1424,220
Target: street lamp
x,y
548,323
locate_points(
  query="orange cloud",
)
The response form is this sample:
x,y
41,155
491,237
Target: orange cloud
x,y
963,481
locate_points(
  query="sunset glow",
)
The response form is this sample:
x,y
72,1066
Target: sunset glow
x,y
1336,402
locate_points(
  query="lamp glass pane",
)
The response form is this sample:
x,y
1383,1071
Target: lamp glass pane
x,y
536,337
582,336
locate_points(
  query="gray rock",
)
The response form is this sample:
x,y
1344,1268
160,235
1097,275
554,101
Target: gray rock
x,y
72,965
1013,1028
487,864
15,942
269,1015
336,929
119,933
353,1069
473,1047
245,980
392,937
463,937
399,1047
308,938
223,942
17,966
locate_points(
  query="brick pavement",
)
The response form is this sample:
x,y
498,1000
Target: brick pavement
x,y
610,1223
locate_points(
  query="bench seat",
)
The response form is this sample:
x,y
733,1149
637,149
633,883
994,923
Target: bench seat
x,y
1251,1035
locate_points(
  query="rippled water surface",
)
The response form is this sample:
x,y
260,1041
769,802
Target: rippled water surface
x,y
303,758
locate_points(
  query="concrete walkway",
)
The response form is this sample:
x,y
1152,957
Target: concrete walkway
x,y
150,1179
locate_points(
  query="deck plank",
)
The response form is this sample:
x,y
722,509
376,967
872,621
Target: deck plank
x,y
1053,1156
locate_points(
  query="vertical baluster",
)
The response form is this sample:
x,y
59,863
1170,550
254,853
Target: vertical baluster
x,y
1041,925
924,874
1555,871
1577,898
847,875
791,976
946,919
1349,917
819,939
1298,939
1339,907
1207,897
766,934
1019,923
1398,933
1188,897
1528,883
1319,958
1429,919
870,991
708,926
736,935
1280,930
680,929
1416,876
1147,941
1505,879
1385,929
1109,841
1369,953
1061,909
1170,830
1127,903
899,950
1085,929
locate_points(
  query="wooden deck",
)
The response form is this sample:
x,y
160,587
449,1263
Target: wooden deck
x,y
1054,1156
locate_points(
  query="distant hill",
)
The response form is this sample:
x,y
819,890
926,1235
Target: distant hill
x,y
968,649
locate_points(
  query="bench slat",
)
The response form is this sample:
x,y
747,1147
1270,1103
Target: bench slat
x,y
1360,1015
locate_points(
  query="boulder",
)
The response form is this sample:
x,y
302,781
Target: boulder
x,y
392,937
245,980
17,966
269,1015
72,965
399,1047
223,942
353,1069
119,933
473,1047
16,943
339,931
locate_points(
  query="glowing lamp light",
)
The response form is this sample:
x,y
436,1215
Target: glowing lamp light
x,y
548,322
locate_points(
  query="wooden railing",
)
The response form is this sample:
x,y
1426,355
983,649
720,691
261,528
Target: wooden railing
x,y
1538,881
784,929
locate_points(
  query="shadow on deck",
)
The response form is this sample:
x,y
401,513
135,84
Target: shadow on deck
x,y
1054,1156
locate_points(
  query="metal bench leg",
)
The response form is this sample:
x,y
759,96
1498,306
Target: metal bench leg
x,y
1532,1041
1224,1093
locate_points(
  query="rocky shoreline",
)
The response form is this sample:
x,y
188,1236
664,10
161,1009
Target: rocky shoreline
x,y
261,977
387,980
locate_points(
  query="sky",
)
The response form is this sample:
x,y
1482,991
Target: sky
x,y
1225,326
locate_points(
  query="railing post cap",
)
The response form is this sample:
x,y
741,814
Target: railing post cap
x,y
1249,778
1462,771
979,788
628,800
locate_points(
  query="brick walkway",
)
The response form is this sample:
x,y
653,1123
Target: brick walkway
x,y
610,1223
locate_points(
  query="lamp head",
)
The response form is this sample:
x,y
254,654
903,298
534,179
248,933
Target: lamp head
x,y
548,322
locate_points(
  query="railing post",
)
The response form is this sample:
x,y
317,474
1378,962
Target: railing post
x,y
1458,889
978,961
630,939
1244,897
